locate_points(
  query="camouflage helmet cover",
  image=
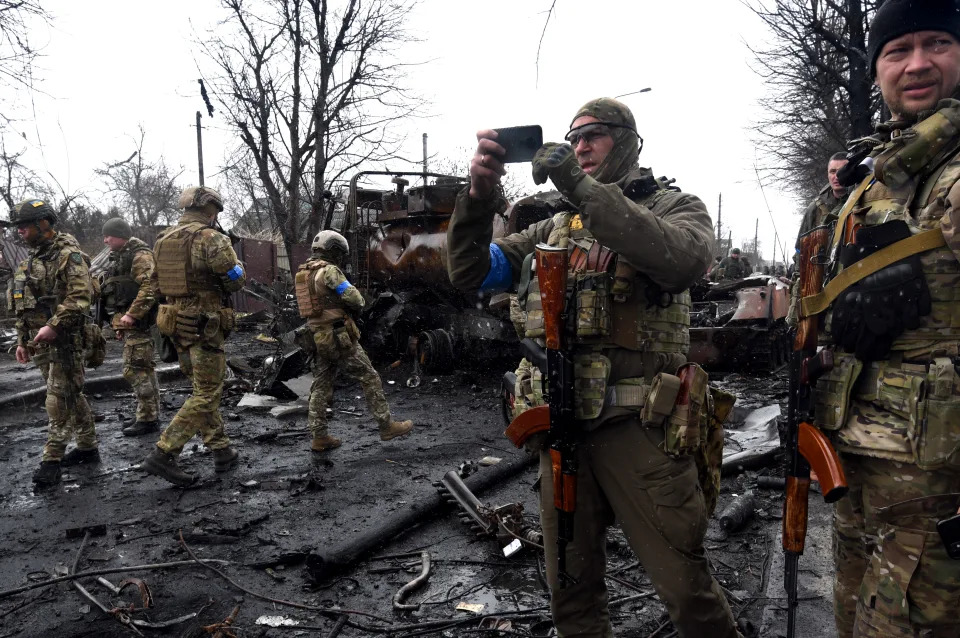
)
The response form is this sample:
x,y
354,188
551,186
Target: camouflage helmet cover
x,y
32,210
626,141
330,241
200,196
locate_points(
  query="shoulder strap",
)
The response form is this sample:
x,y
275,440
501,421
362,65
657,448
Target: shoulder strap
x,y
921,242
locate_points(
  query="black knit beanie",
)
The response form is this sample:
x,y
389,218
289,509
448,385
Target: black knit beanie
x,y
117,227
899,17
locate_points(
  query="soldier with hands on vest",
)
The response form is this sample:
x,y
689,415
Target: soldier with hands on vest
x,y
636,245
734,266
891,316
50,293
130,301
196,272
328,301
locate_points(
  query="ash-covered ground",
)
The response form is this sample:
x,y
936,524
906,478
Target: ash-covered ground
x,y
281,512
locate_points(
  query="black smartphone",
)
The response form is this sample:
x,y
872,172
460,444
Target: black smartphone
x,y
949,529
520,142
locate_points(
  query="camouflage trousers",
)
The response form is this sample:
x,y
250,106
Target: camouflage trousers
x,y
625,477
67,407
206,367
893,578
139,369
357,366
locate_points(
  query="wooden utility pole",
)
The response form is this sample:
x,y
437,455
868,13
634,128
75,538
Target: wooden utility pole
x,y
199,148
720,217
756,236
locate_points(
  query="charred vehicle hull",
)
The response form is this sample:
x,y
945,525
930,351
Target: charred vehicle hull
x,y
740,326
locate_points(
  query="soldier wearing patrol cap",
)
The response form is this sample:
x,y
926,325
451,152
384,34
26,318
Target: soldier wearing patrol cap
x,y
328,301
637,244
196,272
50,293
130,301
891,316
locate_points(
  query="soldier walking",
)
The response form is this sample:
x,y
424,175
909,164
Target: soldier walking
x,y
327,300
662,241
196,271
130,300
50,293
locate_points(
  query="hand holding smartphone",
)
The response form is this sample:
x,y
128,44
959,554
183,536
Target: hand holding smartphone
x,y
520,142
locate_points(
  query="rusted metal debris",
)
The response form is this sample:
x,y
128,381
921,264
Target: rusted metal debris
x,y
741,325
413,585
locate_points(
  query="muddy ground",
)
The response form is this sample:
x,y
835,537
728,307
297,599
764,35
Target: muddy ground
x,y
280,509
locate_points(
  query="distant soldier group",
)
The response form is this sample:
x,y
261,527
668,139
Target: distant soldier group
x,y
182,287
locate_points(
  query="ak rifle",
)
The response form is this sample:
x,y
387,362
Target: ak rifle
x,y
806,445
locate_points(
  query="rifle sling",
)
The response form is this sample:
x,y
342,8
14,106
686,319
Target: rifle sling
x,y
921,242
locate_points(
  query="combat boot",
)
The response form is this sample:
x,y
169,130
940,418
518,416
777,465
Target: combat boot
x,y
48,474
78,456
224,458
325,442
395,429
140,427
164,465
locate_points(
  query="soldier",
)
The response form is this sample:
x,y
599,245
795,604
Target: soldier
x,y
733,266
196,272
50,292
663,241
892,399
328,301
828,201
130,301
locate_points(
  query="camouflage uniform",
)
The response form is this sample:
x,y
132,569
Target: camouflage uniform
x,y
202,322
335,337
664,240
52,287
896,422
129,275
734,268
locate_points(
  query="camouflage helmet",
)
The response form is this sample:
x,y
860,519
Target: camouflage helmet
x,y
330,243
198,197
32,210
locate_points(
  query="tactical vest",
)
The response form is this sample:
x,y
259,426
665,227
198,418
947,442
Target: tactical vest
x,y
177,275
906,411
615,305
120,288
316,303
35,288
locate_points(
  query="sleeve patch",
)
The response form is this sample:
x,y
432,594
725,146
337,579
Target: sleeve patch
x,y
76,258
342,288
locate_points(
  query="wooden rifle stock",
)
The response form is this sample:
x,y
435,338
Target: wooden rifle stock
x,y
806,445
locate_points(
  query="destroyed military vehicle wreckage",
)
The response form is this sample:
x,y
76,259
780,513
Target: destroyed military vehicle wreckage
x,y
398,261
740,325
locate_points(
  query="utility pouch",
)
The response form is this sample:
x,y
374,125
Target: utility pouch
x,y
831,394
341,337
590,374
187,325
303,337
210,327
593,305
895,388
94,345
167,320
682,429
661,400
228,320
166,350
937,443
623,277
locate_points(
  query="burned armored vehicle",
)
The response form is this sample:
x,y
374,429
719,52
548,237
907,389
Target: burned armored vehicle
x,y
398,253
740,325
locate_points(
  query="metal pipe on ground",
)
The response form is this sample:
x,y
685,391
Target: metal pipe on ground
x,y
324,564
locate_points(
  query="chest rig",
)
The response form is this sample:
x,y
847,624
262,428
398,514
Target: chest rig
x,y
35,287
120,288
177,274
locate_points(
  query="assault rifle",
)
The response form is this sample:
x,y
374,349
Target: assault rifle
x,y
806,445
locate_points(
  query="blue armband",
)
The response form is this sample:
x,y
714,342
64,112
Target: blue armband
x,y
235,273
500,275
342,288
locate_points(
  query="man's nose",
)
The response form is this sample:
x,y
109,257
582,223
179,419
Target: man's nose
x,y
918,61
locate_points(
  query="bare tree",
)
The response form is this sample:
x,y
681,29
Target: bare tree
x,y
821,93
314,91
18,19
147,190
17,181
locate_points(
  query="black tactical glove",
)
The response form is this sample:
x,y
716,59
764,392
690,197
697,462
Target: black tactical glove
x,y
871,314
559,163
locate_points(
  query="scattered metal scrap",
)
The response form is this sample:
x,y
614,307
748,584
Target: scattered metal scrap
x,y
413,585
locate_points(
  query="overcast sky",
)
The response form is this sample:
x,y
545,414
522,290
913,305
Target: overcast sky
x,y
110,65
